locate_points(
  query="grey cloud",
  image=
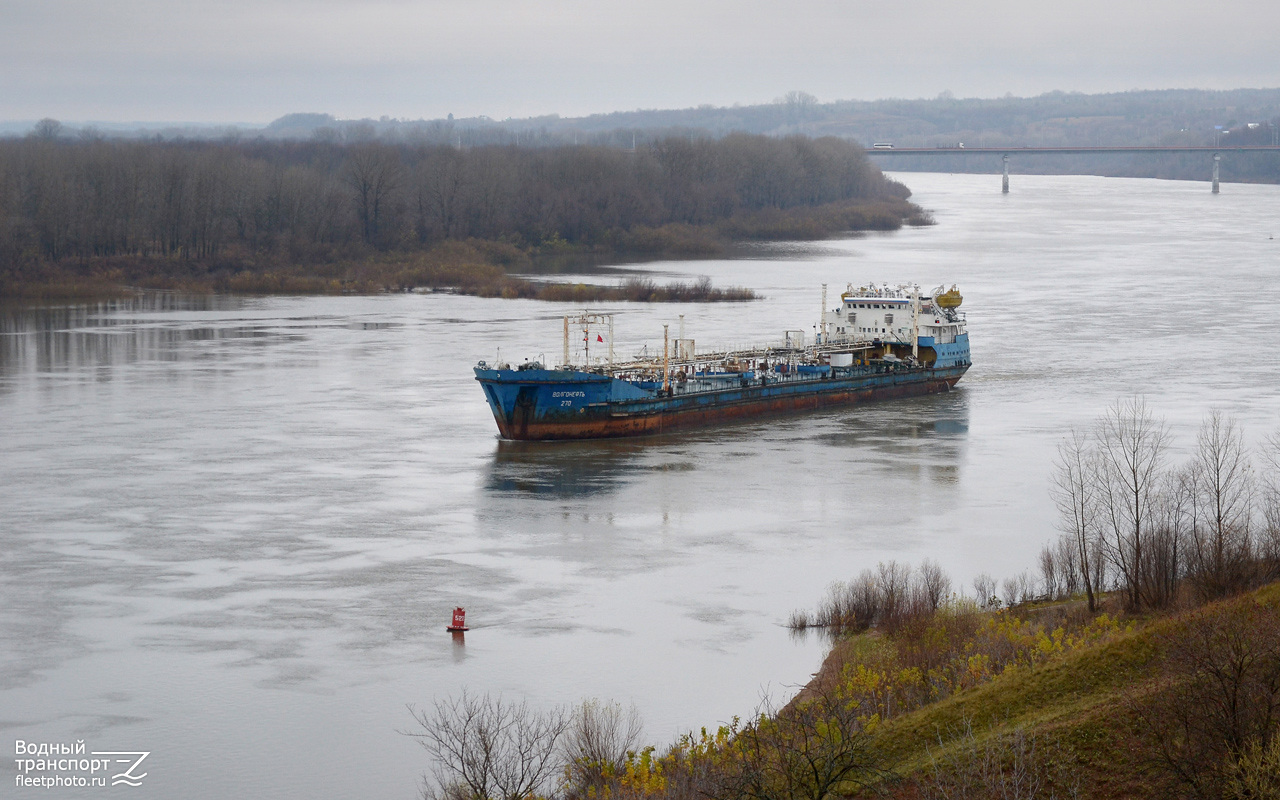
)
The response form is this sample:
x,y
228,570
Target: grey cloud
x,y
240,60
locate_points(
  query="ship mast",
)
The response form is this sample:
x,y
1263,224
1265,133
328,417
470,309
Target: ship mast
x,y
666,361
822,318
586,319
915,322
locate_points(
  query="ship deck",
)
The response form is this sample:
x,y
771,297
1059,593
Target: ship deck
x,y
715,382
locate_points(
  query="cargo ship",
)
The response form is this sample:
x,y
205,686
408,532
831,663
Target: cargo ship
x,y
881,342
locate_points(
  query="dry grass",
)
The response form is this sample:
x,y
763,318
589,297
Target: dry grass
x,y
474,268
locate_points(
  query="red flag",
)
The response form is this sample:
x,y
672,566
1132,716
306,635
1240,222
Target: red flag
x,y
598,339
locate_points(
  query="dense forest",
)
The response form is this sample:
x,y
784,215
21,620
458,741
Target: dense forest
x,y
203,207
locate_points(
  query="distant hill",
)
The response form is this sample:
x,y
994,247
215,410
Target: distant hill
x,y
1056,118
1163,117
298,126
1147,117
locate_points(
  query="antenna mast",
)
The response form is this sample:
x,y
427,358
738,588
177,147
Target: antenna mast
x,y
666,360
822,317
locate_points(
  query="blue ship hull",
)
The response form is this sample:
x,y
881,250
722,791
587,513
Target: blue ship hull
x,y
543,404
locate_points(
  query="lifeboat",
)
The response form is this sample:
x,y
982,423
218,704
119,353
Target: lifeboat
x,y
949,299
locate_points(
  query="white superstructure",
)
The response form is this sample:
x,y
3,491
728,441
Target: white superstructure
x,y
900,314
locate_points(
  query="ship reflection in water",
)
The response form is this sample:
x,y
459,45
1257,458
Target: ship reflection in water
x,y
912,438
563,469
925,437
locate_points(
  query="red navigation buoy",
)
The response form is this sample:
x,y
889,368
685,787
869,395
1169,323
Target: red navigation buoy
x,y
459,620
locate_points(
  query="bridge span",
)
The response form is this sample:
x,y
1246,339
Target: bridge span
x,y
1005,152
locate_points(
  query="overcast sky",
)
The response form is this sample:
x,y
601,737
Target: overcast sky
x,y
254,60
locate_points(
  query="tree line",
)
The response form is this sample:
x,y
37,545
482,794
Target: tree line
x,y
1158,534
1156,531
66,199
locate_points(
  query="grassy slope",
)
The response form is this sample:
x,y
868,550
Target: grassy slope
x,y
1083,700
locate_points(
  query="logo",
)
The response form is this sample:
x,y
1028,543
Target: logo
x,y
56,764
127,776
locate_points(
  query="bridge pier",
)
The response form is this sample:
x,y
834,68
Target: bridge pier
x,y
1005,186
1217,159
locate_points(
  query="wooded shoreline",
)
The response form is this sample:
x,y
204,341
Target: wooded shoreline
x,y
88,218
472,267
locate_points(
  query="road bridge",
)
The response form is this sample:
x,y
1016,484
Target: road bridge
x,y
1005,152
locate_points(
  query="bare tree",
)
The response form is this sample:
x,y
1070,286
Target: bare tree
x,y
894,583
1050,574
1009,592
440,191
1268,544
1222,480
1223,697
490,749
1067,556
1132,446
1018,589
839,610
984,586
1171,521
1075,492
934,583
596,744
865,600
373,172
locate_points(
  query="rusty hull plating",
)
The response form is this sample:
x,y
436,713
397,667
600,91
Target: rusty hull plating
x,y
532,404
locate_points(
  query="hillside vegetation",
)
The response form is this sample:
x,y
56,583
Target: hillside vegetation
x,y
1073,705
1147,668
1033,702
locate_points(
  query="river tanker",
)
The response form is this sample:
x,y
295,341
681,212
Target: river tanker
x,y
881,342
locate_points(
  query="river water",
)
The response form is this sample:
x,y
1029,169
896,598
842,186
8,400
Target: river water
x,y
233,529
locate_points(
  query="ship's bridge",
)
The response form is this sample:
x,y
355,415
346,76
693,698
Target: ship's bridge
x,y
894,314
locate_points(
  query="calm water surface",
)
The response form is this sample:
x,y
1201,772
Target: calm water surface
x,y
233,529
